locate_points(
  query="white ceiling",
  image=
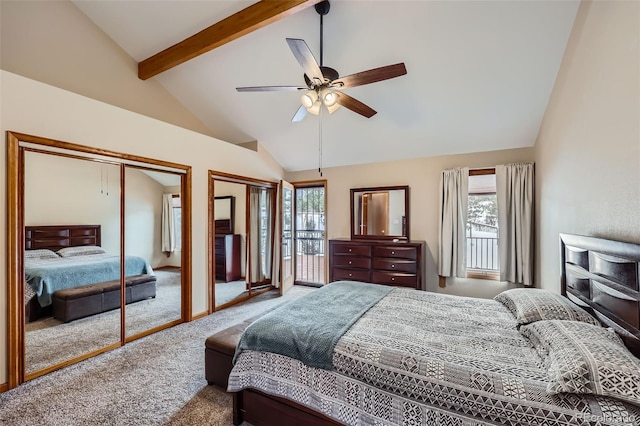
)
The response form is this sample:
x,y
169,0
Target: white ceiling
x,y
479,73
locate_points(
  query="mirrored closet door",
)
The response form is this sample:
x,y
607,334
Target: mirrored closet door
x,y
242,249
99,251
153,237
71,218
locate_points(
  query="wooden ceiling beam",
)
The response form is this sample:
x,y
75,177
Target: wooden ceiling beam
x,y
235,26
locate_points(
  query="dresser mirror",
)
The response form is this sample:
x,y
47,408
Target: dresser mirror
x,y
380,213
224,214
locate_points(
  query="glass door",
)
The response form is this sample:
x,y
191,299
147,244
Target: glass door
x,y
286,224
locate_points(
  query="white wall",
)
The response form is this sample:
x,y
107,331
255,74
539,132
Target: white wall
x,y
422,175
588,147
31,107
67,191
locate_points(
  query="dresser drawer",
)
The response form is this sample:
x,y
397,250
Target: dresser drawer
x,y
396,252
351,274
395,279
352,262
395,265
352,249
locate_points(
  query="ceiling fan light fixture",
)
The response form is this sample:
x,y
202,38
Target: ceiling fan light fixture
x,y
309,98
315,108
333,107
329,98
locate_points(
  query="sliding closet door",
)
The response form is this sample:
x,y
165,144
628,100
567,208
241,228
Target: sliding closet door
x,y
153,249
73,203
229,245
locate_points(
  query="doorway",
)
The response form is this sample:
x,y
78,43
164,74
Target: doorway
x,y
310,237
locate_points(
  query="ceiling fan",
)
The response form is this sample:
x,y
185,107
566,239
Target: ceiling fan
x,y
323,84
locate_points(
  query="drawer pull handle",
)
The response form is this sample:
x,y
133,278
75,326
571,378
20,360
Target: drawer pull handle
x,y
349,262
350,275
393,278
393,252
393,266
349,250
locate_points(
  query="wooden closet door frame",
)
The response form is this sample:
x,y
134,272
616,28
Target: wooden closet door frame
x,y
15,244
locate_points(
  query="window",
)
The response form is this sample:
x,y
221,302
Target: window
x,y
177,220
482,225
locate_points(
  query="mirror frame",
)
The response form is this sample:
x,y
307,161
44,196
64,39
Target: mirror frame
x,y
213,176
15,246
404,237
232,211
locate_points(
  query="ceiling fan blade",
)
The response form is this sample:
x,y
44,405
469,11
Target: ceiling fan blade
x,y
370,76
305,58
271,89
300,114
355,105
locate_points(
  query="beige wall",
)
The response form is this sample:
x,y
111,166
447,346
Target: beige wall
x,y
68,191
143,217
31,107
422,175
55,43
588,147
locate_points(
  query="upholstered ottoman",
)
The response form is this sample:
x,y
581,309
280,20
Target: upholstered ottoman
x,y
79,302
219,351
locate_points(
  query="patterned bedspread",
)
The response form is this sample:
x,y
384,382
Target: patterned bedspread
x,y
420,358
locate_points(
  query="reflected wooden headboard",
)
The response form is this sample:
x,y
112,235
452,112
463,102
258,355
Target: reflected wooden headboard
x,y
60,236
603,276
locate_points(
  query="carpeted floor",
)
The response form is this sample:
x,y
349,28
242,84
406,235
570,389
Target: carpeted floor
x,y
226,292
49,341
156,380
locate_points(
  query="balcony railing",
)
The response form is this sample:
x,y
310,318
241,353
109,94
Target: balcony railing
x,y
310,249
482,247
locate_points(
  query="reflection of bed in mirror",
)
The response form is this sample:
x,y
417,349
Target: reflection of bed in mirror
x,y
66,267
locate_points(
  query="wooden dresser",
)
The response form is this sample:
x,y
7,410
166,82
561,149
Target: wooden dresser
x,y
380,262
227,257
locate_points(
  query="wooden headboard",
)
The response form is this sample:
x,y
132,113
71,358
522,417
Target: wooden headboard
x,y
603,276
60,236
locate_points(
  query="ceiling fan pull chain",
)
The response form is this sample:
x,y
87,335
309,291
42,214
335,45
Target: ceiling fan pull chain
x,y
320,142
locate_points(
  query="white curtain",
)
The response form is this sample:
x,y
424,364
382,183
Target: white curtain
x,y
260,254
454,193
168,227
253,254
275,276
514,190
267,237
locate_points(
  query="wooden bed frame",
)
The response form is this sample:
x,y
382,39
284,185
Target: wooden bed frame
x,y
602,276
55,237
61,236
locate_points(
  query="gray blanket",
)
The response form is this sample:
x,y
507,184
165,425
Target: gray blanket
x,y
46,276
308,328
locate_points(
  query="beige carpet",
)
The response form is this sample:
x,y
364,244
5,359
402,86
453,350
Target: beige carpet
x,y
157,380
49,341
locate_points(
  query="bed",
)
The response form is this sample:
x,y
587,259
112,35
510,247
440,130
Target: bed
x,y
527,357
70,256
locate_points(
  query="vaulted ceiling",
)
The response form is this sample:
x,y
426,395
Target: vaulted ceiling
x,y
479,73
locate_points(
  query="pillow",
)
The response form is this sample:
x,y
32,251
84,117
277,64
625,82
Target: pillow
x,y
80,251
40,254
583,358
530,304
